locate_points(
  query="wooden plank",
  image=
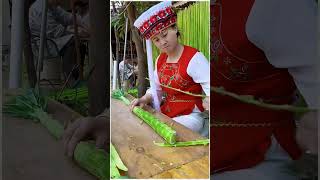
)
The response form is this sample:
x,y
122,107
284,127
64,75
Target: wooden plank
x,y
196,169
134,142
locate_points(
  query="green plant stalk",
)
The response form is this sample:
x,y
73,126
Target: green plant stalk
x,y
162,129
32,106
118,94
53,126
116,158
184,144
250,100
116,163
95,161
179,90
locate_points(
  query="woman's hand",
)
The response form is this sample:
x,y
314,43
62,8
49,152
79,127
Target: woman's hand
x,y
143,101
86,128
206,103
307,133
137,102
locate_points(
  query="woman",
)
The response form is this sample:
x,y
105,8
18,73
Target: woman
x,y
178,66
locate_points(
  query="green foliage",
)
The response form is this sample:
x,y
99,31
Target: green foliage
x,y
194,26
119,24
116,163
133,92
77,99
119,94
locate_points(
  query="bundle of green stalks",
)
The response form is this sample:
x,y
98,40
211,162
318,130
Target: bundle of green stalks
x,y
32,106
133,92
79,95
77,99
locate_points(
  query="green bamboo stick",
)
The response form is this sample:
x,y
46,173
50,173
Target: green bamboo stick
x,y
179,90
186,143
251,100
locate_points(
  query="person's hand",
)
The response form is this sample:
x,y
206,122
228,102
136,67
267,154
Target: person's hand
x,y
86,128
137,102
82,32
136,70
307,133
206,103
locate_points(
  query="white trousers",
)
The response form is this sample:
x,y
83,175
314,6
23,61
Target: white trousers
x,y
193,121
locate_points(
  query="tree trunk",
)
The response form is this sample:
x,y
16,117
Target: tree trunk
x,y
99,89
117,57
117,47
141,55
28,55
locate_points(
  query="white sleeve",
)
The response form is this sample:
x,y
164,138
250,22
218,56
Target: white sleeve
x,y
286,31
157,83
199,69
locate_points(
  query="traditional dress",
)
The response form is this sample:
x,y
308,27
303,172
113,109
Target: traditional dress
x,y
190,74
252,59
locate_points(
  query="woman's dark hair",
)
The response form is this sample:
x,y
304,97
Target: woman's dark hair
x,y
174,26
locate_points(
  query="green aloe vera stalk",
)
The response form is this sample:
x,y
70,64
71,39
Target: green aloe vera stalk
x,y
162,129
186,143
166,132
116,158
94,160
116,163
119,94
32,106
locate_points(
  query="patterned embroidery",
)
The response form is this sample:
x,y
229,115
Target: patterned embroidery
x,y
229,61
240,73
168,73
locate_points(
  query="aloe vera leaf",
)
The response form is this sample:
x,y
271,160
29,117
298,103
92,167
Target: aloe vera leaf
x,y
166,132
186,143
52,125
116,158
162,129
95,161
114,171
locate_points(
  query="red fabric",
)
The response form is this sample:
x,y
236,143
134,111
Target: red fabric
x,y
240,67
175,75
157,22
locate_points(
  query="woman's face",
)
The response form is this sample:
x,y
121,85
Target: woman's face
x,y
166,40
